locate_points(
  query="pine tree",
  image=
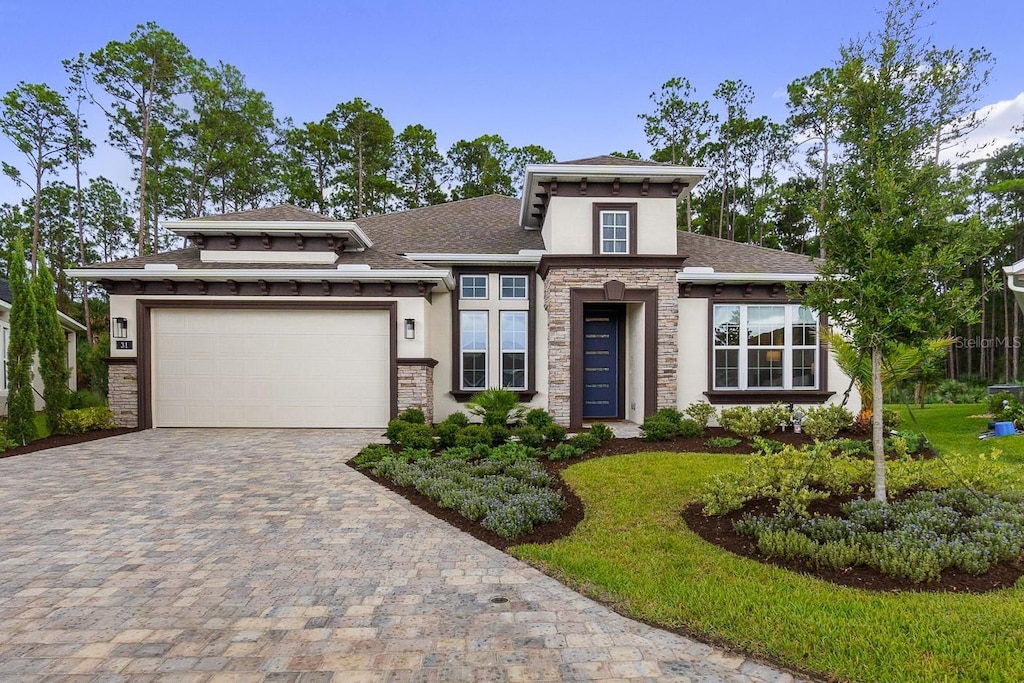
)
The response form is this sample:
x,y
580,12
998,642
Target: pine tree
x,y
53,364
21,404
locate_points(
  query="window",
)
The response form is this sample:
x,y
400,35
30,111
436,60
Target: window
x,y
614,232
513,349
473,287
4,334
474,349
764,347
513,287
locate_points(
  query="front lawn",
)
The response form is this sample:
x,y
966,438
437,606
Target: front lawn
x,y
634,551
955,429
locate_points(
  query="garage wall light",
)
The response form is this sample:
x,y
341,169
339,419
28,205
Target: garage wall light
x,y
120,328
410,328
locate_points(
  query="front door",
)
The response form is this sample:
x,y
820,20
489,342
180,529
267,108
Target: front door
x,y
601,367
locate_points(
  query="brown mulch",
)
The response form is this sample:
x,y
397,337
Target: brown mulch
x,y
718,530
65,440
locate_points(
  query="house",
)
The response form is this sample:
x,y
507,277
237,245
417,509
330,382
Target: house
x,y
71,329
583,297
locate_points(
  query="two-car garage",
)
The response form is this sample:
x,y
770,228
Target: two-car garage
x,y
269,367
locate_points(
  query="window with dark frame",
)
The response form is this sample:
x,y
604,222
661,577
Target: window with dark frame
x,y
614,232
513,287
473,342
473,287
764,347
513,342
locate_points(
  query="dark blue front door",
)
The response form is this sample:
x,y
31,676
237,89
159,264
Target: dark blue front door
x,y
601,363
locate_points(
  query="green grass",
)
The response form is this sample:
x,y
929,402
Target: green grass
x,y
955,429
634,551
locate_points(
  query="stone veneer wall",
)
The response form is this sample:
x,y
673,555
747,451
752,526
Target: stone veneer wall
x,y
123,394
560,282
416,389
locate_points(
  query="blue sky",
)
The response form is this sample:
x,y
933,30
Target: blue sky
x,y
570,76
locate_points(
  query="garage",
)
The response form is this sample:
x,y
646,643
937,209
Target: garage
x,y
254,367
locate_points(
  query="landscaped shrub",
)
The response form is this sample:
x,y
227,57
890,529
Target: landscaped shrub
x,y
689,428
906,443
564,451
5,443
84,420
824,422
722,442
657,428
555,432
915,539
447,434
891,419
497,407
740,421
529,435
702,412
670,414
85,399
412,416
499,434
539,418
602,431
764,446
585,441
1002,402
370,455
953,391
409,434
771,417
471,435
459,419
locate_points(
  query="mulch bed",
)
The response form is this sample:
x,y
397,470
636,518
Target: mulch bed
x,y
65,440
717,530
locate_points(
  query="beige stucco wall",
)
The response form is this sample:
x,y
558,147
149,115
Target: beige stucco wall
x,y
37,378
569,224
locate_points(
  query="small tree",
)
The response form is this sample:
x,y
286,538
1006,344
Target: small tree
x,y
21,404
53,351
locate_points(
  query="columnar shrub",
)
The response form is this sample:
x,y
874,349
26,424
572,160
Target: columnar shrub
x,y
21,348
53,347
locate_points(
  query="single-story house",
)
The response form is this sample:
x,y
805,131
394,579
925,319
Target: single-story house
x,y
71,329
582,296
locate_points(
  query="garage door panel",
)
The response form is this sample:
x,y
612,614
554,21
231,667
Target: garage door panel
x,y
276,368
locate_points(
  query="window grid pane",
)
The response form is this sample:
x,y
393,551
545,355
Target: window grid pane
x,y
764,347
473,331
513,341
614,232
513,287
474,287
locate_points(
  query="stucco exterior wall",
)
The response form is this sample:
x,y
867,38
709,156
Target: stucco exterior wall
x,y
569,224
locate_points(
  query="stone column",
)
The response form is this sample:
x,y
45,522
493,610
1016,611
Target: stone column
x,y
123,391
416,385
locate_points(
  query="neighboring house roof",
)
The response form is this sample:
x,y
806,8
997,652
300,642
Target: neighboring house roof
x,y
609,160
480,225
282,212
726,256
7,298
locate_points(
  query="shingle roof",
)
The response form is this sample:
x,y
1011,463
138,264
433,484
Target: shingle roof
x,y
726,256
5,291
282,212
481,225
189,258
609,160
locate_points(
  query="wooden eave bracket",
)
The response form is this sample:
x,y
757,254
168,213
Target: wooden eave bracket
x,y
233,240
266,240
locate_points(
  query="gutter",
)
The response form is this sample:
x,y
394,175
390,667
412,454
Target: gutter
x,y
526,257
342,273
708,275
69,322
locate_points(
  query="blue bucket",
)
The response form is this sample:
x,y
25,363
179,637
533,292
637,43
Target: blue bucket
x,y
1004,428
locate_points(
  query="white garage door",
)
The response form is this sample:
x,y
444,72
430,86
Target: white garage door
x,y
270,368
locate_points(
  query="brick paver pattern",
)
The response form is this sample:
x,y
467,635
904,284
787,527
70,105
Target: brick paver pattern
x,y
231,555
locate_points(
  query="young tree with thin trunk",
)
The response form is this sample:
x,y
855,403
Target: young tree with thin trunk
x,y
895,253
37,120
81,147
21,349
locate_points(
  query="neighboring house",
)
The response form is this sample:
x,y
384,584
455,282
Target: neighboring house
x,y
71,328
583,297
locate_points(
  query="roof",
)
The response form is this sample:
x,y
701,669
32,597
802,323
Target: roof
x,y
5,291
480,225
7,298
726,256
188,258
609,160
281,212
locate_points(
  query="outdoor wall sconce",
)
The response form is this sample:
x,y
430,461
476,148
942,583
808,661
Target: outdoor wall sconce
x,y
120,330
410,328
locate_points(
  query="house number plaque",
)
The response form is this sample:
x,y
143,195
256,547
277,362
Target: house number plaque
x,y
124,344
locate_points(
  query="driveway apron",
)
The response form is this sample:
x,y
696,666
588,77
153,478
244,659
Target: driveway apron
x,y
232,555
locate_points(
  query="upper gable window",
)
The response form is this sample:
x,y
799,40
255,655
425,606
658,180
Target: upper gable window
x,y
513,287
614,232
473,287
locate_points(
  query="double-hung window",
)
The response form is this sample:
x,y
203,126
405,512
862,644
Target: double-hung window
x,y
614,232
513,349
473,325
764,347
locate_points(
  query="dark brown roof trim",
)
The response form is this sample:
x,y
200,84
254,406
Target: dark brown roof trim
x,y
591,261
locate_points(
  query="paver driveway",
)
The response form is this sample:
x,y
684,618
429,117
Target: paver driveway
x,y
238,555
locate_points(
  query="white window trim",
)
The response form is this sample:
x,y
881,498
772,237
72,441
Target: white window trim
x,y
501,288
601,227
462,290
525,351
463,351
5,339
787,351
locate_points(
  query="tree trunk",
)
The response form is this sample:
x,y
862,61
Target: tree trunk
x,y
82,252
982,367
1006,337
689,212
877,440
1016,340
37,207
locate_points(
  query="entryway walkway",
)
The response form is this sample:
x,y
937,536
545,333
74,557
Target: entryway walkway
x,y
230,555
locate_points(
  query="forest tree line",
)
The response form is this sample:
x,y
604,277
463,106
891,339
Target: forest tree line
x,y
201,141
